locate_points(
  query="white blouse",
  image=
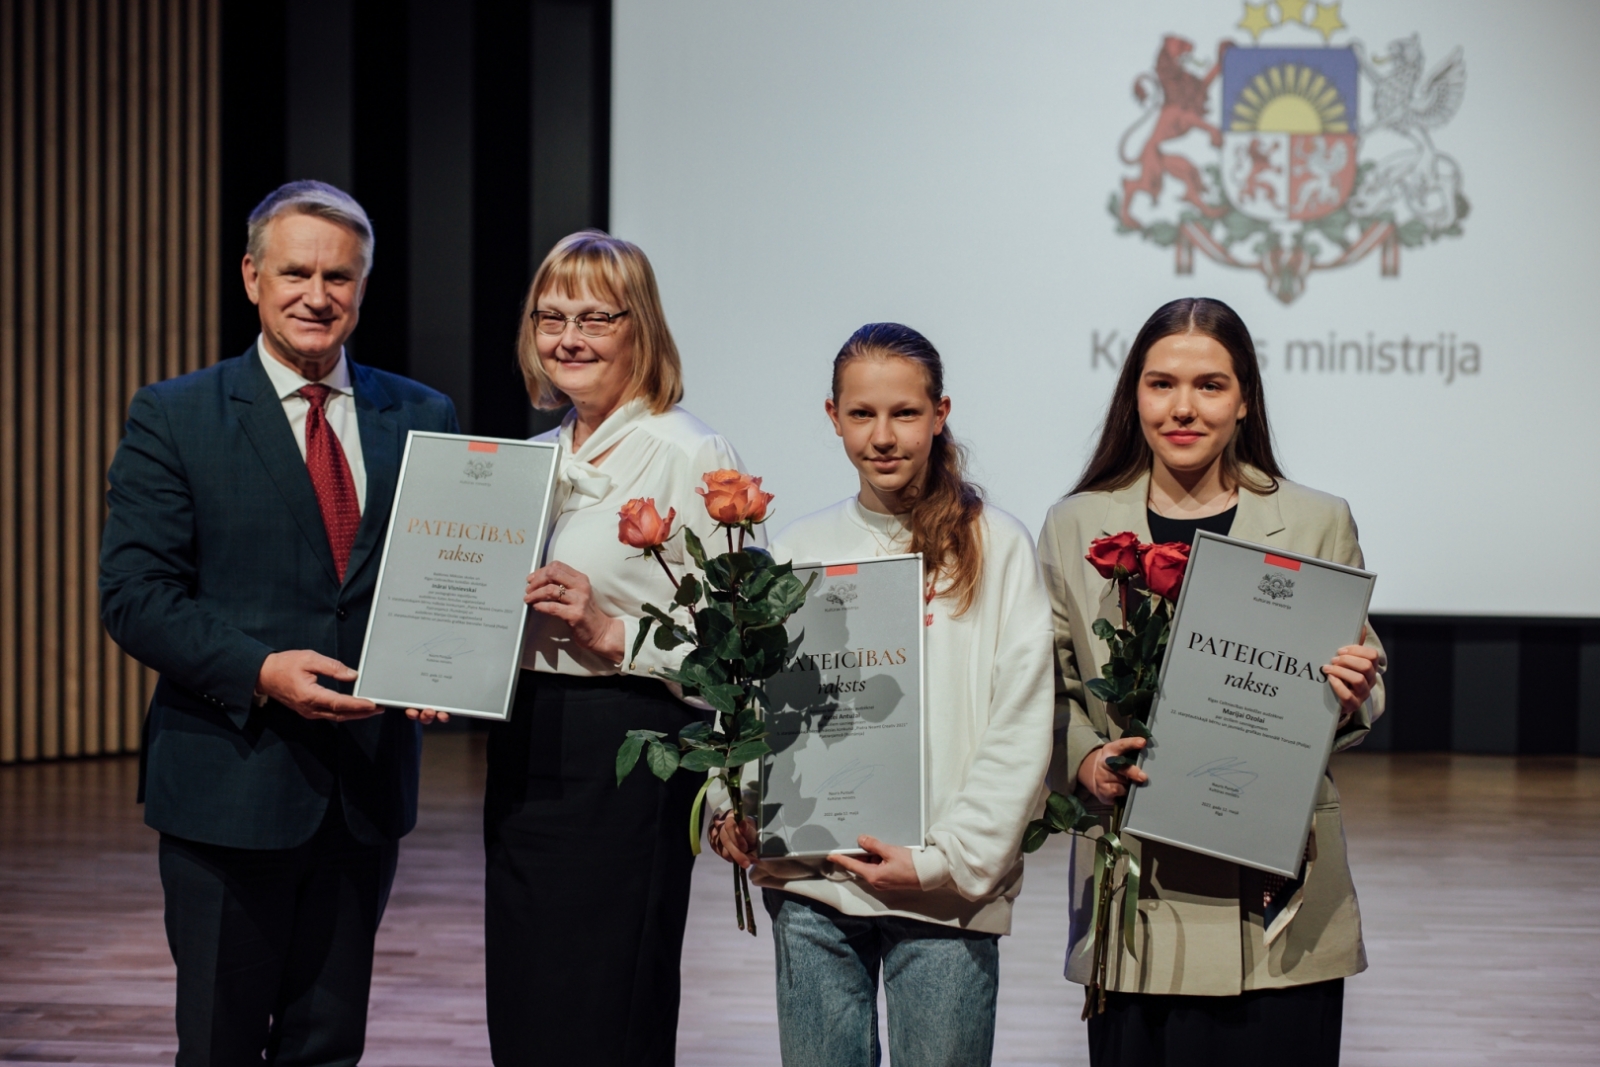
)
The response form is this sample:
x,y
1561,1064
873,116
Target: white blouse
x,y
657,456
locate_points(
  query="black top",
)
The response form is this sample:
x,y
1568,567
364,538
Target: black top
x,y
1164,530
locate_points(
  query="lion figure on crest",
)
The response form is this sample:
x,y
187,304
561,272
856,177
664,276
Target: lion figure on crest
x,y
1177,98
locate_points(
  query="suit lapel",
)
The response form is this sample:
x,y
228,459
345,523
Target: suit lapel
x,y
260,412
380,453
1126,509
1259,519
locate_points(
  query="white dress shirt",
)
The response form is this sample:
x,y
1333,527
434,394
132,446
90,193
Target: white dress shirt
x,y
657,456
340,408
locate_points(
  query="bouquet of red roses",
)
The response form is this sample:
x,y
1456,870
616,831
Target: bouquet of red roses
x,y
1148,578
735,625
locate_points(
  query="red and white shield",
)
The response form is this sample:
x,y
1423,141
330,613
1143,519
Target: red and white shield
x,y
1282,176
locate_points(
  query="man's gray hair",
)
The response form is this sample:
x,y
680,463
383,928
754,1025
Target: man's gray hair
x,y
311,198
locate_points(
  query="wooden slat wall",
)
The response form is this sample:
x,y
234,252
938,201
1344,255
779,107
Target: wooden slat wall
x,y
108,280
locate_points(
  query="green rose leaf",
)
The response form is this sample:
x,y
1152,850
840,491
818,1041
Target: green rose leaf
x,y
638,642
1136,728
755,613
1118,763
663,759
693,675
786,595
701,760
1103,689
1103,629
747,751
697,551
730,647
755,588
1062,811
1151,642
764,648
688,591
724,697
747,723
1136,704
1034,835
628,754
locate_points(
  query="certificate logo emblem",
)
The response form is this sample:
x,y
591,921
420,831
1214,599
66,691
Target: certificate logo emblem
x,y
1290,178
841,594
478,469
1277,586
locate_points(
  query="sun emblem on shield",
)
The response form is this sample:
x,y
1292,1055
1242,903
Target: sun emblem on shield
x,y
1288,191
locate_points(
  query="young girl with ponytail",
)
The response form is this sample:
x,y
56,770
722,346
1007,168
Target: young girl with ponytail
x,y
929,920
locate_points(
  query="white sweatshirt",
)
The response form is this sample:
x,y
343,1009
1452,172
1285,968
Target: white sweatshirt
x,y
989,704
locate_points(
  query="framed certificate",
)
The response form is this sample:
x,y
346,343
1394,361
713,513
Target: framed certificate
x,y
1243,721
846,721
468,526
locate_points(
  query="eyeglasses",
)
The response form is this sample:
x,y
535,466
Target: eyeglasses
x,y
590,323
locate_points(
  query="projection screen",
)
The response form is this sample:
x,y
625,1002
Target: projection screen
x,y
1394,195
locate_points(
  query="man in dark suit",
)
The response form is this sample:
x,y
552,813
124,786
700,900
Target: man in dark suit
x,y
248,503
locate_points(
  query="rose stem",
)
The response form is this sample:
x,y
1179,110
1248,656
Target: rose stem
x,y
749,908
656,552
729,531
738,910
741,539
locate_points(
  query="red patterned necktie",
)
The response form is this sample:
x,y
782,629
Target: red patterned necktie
x,y
330,476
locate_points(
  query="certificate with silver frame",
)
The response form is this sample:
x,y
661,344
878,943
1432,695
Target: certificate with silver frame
x,y
1244,719
846,716
468,526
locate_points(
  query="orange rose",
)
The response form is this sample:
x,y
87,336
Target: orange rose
x,y
733,498
642,525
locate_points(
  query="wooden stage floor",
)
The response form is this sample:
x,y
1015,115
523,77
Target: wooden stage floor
x,y
1479,880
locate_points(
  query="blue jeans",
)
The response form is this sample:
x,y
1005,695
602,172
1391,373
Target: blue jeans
x,y
940,983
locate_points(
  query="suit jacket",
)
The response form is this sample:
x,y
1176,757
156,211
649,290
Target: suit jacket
x,y
214,556
1201,925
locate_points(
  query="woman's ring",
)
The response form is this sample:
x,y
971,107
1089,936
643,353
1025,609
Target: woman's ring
x,y
561,591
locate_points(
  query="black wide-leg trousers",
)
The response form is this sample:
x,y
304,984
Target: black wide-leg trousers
x,y
1298,1025
588,881
274,946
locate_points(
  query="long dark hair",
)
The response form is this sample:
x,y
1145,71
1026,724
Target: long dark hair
x,y
1123,454
944,517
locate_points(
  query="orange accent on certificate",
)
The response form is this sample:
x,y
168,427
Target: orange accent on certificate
x,y
841,569
482,446
1280,561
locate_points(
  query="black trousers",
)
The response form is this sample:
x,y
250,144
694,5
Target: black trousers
x,y
588,881
274,946
1299,1025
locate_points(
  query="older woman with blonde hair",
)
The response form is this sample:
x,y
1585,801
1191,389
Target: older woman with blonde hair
x,y
588,881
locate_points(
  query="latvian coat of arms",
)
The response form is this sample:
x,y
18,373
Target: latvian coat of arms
x,y
1282,182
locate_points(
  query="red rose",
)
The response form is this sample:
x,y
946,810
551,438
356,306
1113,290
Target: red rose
x,y
1119,550
1163,568
733,498
642,525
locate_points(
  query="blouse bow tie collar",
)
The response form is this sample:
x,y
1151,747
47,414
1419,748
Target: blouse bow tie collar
x,y
581,477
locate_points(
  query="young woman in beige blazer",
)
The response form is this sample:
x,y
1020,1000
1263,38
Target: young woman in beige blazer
x,y
1233,965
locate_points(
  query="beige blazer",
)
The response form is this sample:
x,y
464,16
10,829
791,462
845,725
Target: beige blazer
x,y
1200,928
